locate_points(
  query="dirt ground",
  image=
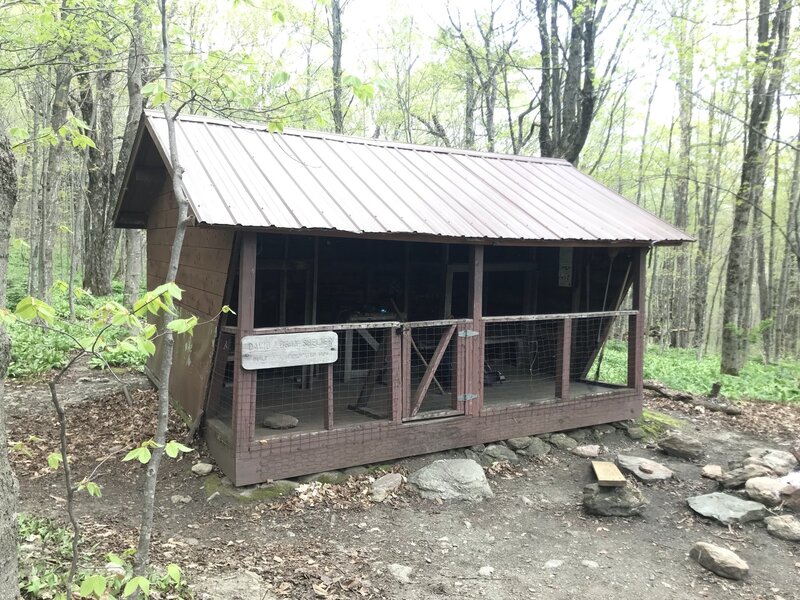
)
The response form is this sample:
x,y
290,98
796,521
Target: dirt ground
x,y
333,542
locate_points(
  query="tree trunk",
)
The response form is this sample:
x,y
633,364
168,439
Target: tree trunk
x,y
8,200
336,69
770,53
784,285
9,582
469,110
680,274
97,109
133,264
58,117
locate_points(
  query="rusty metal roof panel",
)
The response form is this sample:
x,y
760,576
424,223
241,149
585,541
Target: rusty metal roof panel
x,y
242,175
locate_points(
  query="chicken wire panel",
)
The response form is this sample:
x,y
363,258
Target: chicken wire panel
x,y
355,389
519,362
433,368
600,354
220,400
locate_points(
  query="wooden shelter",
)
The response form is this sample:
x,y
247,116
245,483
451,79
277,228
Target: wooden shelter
x,y
390,299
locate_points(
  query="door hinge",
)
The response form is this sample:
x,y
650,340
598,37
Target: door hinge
x,y
467,333
467,397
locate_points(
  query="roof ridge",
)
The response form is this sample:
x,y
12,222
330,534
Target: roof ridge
x,y
355,139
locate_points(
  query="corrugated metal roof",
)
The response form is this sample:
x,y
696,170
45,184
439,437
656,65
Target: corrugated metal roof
x,y
243,175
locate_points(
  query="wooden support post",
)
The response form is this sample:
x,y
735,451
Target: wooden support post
x,y
396,374
406,372
244,382
329,399
563,359
475,343
636,323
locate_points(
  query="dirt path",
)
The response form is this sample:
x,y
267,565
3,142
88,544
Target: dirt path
x,y
533,533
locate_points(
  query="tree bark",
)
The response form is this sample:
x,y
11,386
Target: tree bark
x,y
336,68
9,582
770,52
133,264
8,200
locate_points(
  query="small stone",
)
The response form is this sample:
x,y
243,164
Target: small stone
x,y
784,527
606,429
553,564
383,486
498,452
587,451
526,501
178,499
590,564
778,461
478,448
765,490
202,469
712,472
519,443
738,477
623,501
116,571
280,421
190,541
643,468
682,446
486,571
636,433
582,435
536,449
727,509
451,479
721,561
401,573
562,441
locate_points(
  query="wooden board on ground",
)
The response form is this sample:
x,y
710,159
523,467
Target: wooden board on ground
x,y
608,475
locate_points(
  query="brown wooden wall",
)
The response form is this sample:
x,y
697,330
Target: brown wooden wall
x,y
202,277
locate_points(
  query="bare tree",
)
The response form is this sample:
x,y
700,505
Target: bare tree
x,y
8,200
335,30
9,583
772,41
168,342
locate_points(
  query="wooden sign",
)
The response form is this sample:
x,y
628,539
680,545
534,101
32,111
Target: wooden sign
x,y
289,350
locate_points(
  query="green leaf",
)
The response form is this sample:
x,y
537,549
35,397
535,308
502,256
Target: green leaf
x,y
278,17
142,454
279,78
93,585
174,572
172,448
93,489
140,583
228,309
54,459
29,308
182,325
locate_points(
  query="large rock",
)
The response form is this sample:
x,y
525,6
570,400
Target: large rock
x,y
383,486
519,443
280,421
766,490
718,560
499,452
784,527
536,449
623,501
738,477
643,468
779,461
727,509
682,446
452,479
562,441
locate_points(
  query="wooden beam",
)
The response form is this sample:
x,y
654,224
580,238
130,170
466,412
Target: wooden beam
x,y
608,475
636,323
422,389
474,362
244,382
563,354
396,374
329,399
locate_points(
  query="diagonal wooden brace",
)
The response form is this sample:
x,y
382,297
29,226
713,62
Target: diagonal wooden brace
x,y
422,389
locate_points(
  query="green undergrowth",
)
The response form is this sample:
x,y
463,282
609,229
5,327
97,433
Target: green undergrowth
x,y
680,369
35,351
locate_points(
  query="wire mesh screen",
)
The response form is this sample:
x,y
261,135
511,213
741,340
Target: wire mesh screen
x,y
523,358
220,399
433,368
356,388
